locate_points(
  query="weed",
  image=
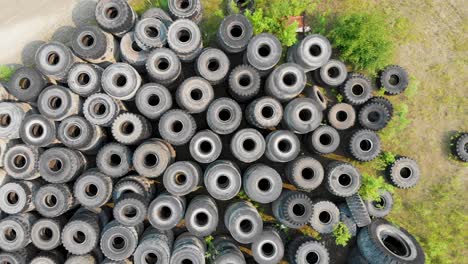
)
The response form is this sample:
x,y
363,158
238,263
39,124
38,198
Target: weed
x,y
233,6
6,72
391,133
211,251
140,6
213,14
372,186
341,234
413,87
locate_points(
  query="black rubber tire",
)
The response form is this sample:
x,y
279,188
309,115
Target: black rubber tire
x,y
222,180
384,101
355,257
11,117
121,81
51,226
113,233
248,145
212,65
317,95
394,79
311,53
224,116
343,179
153,100
186,49
131,129
240,6
155,242
268,247
182,178
57,102
364,145
241,212
164,67
194,95
358,210
306,248
302,115
324,140
55,60
357,89
265,112
26,84
206,206
17,196
170,123
53,200
37,130
186,9
21,162
263,52
347,218
61,165
384,243
114,159
404,173
152,157
205,146
262,183
286,82
244,83
158,13
150,33
305,172
374,116
380,208
282,146
130,209
287,212
75,132
234,33
21,225
90,43
101,109
166,211
332,74
461,147
132,54
85,79
325,217
89,225
93,189
115,16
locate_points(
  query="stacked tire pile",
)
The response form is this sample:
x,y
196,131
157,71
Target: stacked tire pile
x,y
133,145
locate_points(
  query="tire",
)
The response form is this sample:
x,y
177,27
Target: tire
x,y
311,53
212,65
347,218
265,113
121,81
224,116
341,116
243,222
311,250
139,185
23,255
182,178
166,211
358,210
37,130
461,147
93,189
268,247
55,60
152,157
293,209
364,145
114,159
153,100
85,226
394,79
301,115
130,209
343,179
355,257
111,237
186,9
282,146
131,129
115,16
177,127
78,133
305,172
263,52
244,83
21,162
17,196
384,101
205,146
262,183
11,117
374,116
380,208
101,109
150,33
132,54
57,103
189,248
185,39
332,74
85,79
248,145
164,67
222,180
383,242
286,82
61,165
404,173
325,217
21,225
201,218
158,13
194,95
49,257
324,140
54,200
26,84
78,259
357,89
234,33
228,251
241,6
92,44
154,242
46,233
318,97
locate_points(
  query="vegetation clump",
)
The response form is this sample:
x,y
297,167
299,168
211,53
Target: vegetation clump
x,y
341,234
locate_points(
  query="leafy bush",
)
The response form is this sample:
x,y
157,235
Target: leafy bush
x,y
372,186
341,234
6,72
363,39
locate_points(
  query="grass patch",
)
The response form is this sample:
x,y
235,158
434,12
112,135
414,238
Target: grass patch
x,y
372,186
213,14
341,234
140,6
391,133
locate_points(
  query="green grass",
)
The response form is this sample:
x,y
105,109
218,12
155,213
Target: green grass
x,y
341,234
6,72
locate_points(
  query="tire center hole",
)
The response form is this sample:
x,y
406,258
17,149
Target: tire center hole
x,y
19,161
312,258
99,109
268,249
187,261
319,95
341,116
115,160
236,31
55,102
120,80
357,89
127,128
290,79
246,226
307,173
112,13
213,65
79,237
298,209
325,139
224,115
37,130
130,212
394,79
154,100
151,32
55,165
165,212
135,47
184,4
184,36
365,145
73,131
267,112
333,72
206,147
162,64
87,40
118,243
10,234
151,160
5,120
264,185
249,144
305,115
245,80
380,203
46,234
180,179
91,190
315,50
177,126
151,258
12,198
325,217
395,245
50,200
374,116
222,182
264,50
405,172
24,83
53,58
83,78
196,94
284,145
344,180
201,219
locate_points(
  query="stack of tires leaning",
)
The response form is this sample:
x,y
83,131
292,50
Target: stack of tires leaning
x,y
137,143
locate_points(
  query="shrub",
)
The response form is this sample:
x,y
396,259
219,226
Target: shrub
x,y
341,234
372,186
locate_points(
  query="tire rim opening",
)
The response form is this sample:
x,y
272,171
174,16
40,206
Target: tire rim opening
x,y
236,31
284,145
151,160
325,139
83,79
222,182
268,249
307,173
177,126
130,212
73,131
206,147
19,161
165,212
305,115
55,102
135,47
127,128
298,209
365,145
24,83
184,4
120,80
333,72
225,115
184,36
91,190
395,245
201,219
394,79
319,95
87,40
112,13
46,234
151,258
196,94
100,109
290,79
344,180
115,160
315,50
245,80
5,120
55,165
118,243
341,116
79,237
187,261
246,226
267,112
380,203
162,64
180,179
249,145
264,185
154,100
151,32
10,234
264,50
357,89
374,116
406,172
213,65
312,258
12,198
50,200
37,130
325,217
53,58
